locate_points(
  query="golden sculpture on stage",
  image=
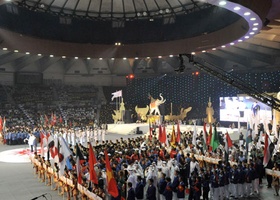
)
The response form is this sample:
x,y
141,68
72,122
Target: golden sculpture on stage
x,y
210,113
142,112
181,116
119,113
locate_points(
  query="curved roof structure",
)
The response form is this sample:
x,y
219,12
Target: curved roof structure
x,y
118,37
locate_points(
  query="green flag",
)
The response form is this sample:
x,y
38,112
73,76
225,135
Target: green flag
x,y
215,139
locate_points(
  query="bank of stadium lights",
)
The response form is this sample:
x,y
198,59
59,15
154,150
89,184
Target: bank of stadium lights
x,y
118,44
136,58
159,56
63,57
100,58
39,54
16,51
51,56
76,58
5,49
193,53
112,58
222,3
214,49
170,56
203,51
232,43
27,53
88,58
124,58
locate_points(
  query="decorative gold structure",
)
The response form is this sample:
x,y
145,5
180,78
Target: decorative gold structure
x,y
142,112
118,114
210,113
181,116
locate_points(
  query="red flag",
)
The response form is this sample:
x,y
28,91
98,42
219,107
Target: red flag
x,y
266,153
92,161
112,184
60,119
163,135
178,138
229,141
79,170
80,154
160,133
1,124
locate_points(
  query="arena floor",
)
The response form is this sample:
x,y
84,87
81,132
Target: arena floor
x,y
18,181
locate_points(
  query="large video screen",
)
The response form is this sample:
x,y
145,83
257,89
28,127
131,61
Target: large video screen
x,y
244,108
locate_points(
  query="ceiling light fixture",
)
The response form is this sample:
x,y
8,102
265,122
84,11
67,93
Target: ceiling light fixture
x,y
51,56
170,56
252,33
232,43
253,19
88,58
76,58
136,58
246,37
63,57
5,49
240,40
16,51
236,8
39,54
193,53
27,53
223,46
254,29
214,49
100,58
203,51
124,58
247,13
222,3
255,24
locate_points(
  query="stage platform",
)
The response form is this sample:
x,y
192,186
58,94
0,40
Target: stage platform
x,y
131,129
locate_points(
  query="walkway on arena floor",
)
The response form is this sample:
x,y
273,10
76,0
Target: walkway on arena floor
x,y
18,181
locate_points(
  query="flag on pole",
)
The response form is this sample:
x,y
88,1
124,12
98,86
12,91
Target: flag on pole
x,y
215,139
266,153
79,170
204,136
111,182
79,154
173,137
178,137
92,161
160,133
60,120
209,138
52,145
274,125
164,140
116,94
63,153
228,144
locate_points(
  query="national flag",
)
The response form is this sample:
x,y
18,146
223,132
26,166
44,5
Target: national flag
x,y
79,170
173,137
54,119
228,141
194,133
111,182
92,161
60,120
80,154
164,140
178,137
53,147
209,138
215,140
63,153
228,144
266,153
204,136
160,134
1,124
116,94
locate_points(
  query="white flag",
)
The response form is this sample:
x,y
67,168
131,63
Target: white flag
x,y
116,94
